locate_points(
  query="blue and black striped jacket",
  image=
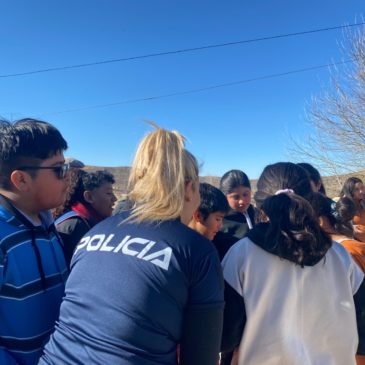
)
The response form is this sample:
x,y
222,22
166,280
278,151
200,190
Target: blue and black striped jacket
x,y
33,273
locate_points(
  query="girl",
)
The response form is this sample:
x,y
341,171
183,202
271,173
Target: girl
x,y
241,216
289,290
354,189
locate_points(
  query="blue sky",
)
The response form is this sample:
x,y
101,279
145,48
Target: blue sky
x,y
245,126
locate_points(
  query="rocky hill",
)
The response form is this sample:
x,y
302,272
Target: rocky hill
x,y
121,174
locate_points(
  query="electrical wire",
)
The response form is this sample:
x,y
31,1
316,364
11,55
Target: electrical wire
x,y
192,91
193,49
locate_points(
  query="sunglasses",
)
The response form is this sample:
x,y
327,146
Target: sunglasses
x,y
60,171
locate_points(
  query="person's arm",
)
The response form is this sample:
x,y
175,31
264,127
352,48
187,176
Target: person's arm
x,y
234,319
203,314
359,299
71,231
359,232
360,360
201,336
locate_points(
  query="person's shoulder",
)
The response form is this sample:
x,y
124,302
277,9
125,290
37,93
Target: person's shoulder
x,y
71,224
341,252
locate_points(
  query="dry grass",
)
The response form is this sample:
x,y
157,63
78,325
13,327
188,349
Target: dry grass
x,y
121,177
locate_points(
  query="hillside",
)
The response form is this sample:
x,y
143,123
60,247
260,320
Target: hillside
x,y
331,183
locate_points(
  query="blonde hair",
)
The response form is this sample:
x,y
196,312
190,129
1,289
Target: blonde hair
x,y
160,170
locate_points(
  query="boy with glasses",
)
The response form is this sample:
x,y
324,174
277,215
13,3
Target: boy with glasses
x,y
33,179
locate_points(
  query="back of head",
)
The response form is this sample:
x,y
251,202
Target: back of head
x,y
348,188
160,170
232,179
279,176
338,215
345,211
313,175
74,194
293,226
321,206
26,142
212,200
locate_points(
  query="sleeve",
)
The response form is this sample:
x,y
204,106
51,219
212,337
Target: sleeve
x,y
71,231
356,276
203,317
359,299
234,319
234,312
6,358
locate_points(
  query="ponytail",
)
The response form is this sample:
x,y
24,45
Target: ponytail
x,y
294,230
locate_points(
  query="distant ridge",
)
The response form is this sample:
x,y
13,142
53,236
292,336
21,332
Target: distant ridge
x,y
121,175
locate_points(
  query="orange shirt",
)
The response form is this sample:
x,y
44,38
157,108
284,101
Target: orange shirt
x,y
355,248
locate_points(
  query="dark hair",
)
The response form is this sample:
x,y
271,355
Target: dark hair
x,y
279,176
211,200
95,179
339,214
232,179
313,175
26,142
293,226
349,187
81,181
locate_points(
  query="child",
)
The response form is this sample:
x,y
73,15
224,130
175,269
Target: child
x,y
289,289
33,180
90,199
208,218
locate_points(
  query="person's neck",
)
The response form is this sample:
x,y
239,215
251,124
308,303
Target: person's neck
x,y
22,204
337,236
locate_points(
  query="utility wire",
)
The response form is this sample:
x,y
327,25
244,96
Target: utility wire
x,y
62,68
192,91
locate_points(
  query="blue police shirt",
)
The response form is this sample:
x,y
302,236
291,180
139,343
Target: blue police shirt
x,y
129,287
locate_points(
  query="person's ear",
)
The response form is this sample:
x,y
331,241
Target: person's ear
x,y
189,191
21,180
263,218
88,196
197,216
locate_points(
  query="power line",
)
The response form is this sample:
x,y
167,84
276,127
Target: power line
x,y
185,50
192,91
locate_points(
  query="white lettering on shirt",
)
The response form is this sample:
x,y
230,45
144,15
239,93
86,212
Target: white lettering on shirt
x,y
140,248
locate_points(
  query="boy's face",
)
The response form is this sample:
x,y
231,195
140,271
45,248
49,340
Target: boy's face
x,y
102,199
47,190
211,225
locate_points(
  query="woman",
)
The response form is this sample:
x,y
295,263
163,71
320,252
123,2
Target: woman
x,y
287,285
143,283
90,199
353,188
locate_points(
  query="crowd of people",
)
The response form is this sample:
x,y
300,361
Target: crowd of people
x,y
182,272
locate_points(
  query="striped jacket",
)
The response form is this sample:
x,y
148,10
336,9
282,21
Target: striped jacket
x,y
32,282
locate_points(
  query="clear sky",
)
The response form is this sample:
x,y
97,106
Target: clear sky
x,y
245,126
